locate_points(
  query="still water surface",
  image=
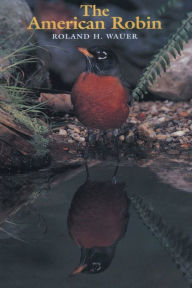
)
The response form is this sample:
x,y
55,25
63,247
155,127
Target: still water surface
x,y
46,255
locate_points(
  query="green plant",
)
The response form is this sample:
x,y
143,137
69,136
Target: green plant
x,y
16,99
161,60
11,61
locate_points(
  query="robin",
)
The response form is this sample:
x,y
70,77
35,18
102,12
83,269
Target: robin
x,y
100,96
97,220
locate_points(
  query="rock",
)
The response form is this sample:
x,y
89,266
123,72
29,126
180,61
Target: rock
x,y
141,116
63,132
146,131
165,109
154,110
14,18
130,137
176,83
169,139
184,114
122,138
185,145
57,102
162,119
71,126
75,136
178,134
77,130
162,137
81,139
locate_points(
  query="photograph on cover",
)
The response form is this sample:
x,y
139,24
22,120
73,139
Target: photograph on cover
x,y
95,143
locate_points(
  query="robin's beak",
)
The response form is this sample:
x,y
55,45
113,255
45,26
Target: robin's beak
x,y
85,52
79,269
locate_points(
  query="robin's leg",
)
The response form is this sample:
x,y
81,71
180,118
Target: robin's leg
x,y
116,148
103,147
91,137
114,179
116,143
89,141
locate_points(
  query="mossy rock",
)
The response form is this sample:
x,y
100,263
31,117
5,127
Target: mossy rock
x,y
15,15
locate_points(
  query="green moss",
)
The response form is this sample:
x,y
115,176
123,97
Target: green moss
x,y
40,144
35,125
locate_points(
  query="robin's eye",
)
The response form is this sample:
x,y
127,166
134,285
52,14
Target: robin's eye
x,y
96,267
102,55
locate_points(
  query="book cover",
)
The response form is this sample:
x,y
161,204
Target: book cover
x,y
95,137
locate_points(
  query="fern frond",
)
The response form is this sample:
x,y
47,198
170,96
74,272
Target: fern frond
x,y
178,246
161,60
170,4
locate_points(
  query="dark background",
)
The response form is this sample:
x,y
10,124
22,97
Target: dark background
x,y
134,55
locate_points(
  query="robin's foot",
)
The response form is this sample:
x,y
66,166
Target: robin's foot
x,y
91,137
116,143
89,142
115,178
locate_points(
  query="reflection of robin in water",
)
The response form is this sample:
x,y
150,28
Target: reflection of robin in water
x,y
97,220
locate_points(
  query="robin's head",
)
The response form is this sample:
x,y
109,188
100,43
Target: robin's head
x,y
100,60
95,260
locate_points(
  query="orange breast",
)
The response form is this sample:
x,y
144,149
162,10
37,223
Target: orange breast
x,y
100,101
